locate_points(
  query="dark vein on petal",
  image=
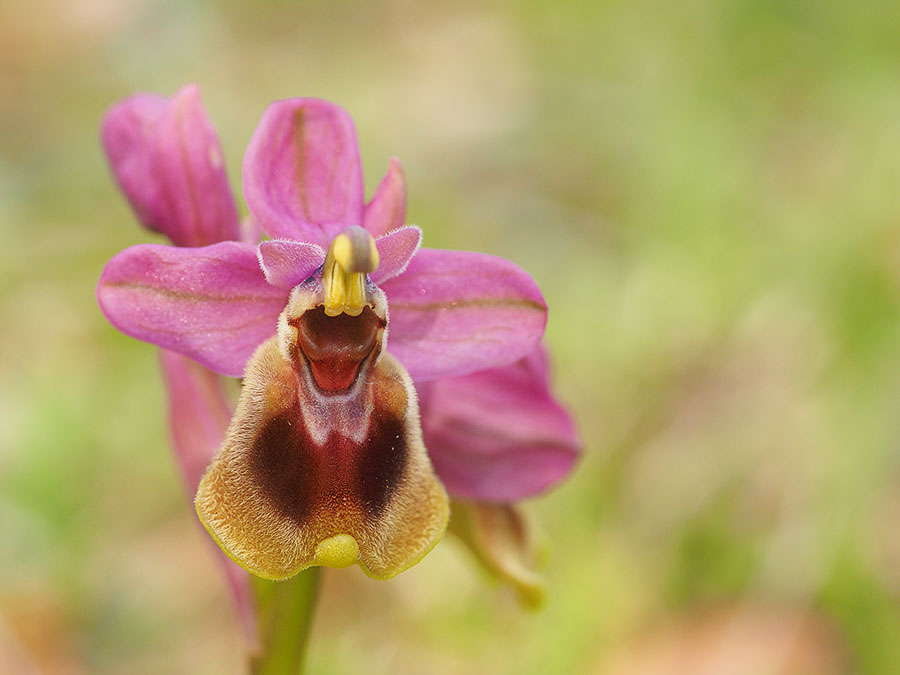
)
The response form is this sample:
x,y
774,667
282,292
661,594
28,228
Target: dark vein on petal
x,y
186,295
299,131
227,331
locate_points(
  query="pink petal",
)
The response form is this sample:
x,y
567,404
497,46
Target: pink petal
x,y
212,303
302,174
198,417
395,251
167,159
127,134
387,210
455,312
287,263
199,414
251,232
498,435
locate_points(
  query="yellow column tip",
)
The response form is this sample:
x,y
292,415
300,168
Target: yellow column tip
x,y
342,250
354,250
340,550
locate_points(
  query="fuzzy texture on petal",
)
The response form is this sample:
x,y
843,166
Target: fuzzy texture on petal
x,y
278,501
395,251
498,435
387,210
302,174
455,312
167,159
287,263
199,413
212,304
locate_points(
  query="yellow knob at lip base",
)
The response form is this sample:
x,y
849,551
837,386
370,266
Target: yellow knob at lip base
x,y
340,550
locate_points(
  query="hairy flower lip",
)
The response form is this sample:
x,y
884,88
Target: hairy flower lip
x,y
294,473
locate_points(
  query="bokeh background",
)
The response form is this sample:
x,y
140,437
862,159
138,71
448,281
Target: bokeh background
x,y
707,192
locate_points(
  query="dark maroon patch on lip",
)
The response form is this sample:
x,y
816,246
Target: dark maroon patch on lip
x,y
284,468
298,477
381,462
336,346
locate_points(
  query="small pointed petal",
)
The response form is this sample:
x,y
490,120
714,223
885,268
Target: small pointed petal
x,y
278,501
387,210
302,173
498,435
502,539
287,263
212,304
395,251
167,158
455,312
199,413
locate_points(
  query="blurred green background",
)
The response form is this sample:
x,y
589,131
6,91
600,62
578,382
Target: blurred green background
x,y
706,191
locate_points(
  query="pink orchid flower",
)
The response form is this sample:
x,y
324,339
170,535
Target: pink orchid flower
x,y
323,461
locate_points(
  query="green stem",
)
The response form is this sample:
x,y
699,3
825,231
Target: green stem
x,y
284,612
